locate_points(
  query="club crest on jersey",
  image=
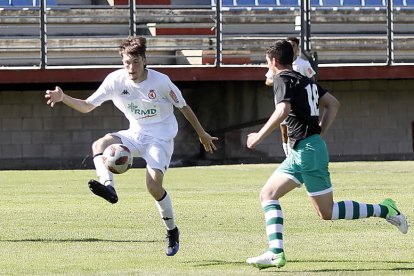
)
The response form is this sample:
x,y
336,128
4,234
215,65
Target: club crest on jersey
x,y
125,92
174,97
151,94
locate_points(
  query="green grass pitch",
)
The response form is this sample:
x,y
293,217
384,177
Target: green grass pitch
x,y
51,224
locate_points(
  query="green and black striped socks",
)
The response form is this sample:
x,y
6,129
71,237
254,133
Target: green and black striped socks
x,y
274,225
349,209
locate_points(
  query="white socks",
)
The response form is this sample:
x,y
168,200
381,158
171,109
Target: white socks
x,y
165,209
105,177
164,205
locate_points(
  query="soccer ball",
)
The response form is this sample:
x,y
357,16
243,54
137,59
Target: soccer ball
x,y
117,158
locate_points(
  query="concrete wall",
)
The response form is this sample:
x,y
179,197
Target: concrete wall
x,y
375,122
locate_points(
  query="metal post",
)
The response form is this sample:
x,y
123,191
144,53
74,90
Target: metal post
x,y
390,33
219,34
43,35
305,26
302,25
132,18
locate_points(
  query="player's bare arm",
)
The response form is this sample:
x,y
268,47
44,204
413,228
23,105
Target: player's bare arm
x,y
269,82
57,95
205,138
283,133
330,107
281,112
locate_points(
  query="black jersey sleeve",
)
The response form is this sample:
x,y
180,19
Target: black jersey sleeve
x,y
281,90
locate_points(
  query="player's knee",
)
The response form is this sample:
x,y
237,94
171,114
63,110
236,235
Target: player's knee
x,y
96,147
99,145
266,195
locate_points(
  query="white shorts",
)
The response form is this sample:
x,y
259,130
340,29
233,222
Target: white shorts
x,y
156,152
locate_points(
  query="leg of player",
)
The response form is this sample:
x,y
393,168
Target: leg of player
x,y
105,186
277,186
327,209
163,202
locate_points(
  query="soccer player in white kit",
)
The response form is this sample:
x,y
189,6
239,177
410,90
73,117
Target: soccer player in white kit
x,y
147,98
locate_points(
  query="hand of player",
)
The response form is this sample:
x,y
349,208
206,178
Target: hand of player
x,y
253,139
207,142
54,96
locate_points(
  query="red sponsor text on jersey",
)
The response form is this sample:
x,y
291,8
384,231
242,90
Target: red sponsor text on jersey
x,y
173,96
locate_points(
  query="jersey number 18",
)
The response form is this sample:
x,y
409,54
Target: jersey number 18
x,y
313,99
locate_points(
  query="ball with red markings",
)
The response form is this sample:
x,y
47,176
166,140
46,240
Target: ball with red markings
x,y
117,158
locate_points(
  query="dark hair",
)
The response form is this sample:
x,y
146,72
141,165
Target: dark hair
x,y
294,39
134,46
282,51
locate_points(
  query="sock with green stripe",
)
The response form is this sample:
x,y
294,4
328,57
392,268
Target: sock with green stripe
x,y
274,225
349,209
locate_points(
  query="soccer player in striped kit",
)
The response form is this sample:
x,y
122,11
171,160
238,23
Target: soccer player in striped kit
x,y
299,65
298,100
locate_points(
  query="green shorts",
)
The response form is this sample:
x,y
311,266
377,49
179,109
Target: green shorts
x,y
307,164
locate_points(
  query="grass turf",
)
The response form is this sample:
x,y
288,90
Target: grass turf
x,y
51,224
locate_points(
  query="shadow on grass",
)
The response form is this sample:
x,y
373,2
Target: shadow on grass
x,y
206,263
79,240
350,261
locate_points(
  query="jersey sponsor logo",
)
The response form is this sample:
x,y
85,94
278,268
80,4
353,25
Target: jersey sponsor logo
x,y
151,94
151,112
125,92
174,97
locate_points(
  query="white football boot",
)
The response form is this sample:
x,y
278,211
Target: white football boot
x,y
395,217
268,259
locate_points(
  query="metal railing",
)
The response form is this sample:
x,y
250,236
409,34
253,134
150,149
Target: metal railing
x,y
202,35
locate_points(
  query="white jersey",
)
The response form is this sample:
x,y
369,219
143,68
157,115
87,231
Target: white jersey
x,y
148,105
299,65
303,66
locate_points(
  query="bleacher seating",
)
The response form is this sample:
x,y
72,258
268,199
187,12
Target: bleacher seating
x,y
26,3
18,3
398,3
48,3
375,3
267,2
343,4
331,3
185,36
289,3
352,3
4,3
228,3
250,3
316,3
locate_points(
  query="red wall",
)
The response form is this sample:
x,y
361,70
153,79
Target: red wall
x,y
208,73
